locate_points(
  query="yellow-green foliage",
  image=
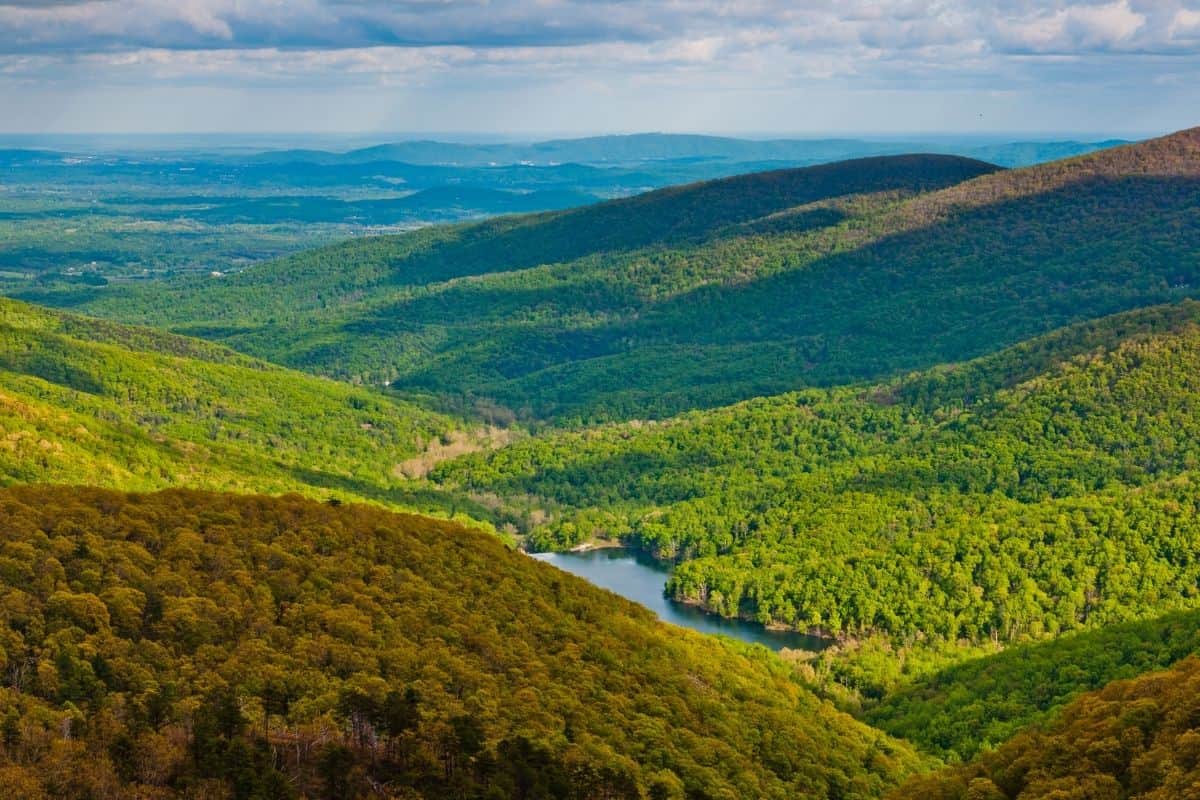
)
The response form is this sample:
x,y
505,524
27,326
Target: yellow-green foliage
x,y
87,401
1033,492
156,645
1133,740
960,710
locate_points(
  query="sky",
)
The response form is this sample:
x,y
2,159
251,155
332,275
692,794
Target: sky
x,y
517,67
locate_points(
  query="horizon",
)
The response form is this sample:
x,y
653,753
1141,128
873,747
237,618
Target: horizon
x,y
349,141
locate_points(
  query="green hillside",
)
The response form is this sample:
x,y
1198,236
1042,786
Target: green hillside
x,y
958,711
87,401
1134,740
1044,489
705,295
500,295
187,645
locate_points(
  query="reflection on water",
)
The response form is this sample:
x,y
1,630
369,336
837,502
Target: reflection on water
x,y
640,578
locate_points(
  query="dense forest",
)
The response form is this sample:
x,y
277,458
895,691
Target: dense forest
x,y
83,214
717,292
509,295
976,705
987,502
186,644
1134,740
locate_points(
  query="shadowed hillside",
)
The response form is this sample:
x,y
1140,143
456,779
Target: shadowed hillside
x,y
341,274
707,294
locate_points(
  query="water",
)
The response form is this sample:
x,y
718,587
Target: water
x,y
639,578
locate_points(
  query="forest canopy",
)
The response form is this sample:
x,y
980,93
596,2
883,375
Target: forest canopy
x,y
1041,490
188,644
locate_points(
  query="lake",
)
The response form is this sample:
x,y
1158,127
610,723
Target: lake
x,y
637,577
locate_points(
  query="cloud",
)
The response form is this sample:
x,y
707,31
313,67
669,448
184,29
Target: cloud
x,y
690,47
107,25
1079,29
1185,25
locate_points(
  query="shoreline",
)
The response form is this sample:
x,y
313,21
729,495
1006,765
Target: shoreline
x,y
602,544
779,627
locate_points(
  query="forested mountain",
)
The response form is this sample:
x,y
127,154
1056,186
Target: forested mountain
x,y
722,291
1043,489
1134,740
89,401
338,276
503,294
189,645
943,414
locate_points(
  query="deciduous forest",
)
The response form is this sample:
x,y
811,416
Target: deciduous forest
x,y
266,535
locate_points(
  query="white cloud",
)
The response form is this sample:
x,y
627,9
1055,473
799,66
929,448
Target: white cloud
x,y
1185,24
986,47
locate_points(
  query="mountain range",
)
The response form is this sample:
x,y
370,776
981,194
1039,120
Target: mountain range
x,y
939,413
716,292
634,148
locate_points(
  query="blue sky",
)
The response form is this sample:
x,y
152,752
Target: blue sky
x,y
806,67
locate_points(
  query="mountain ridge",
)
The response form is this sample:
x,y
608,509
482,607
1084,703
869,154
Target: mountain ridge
x,y
642,147
711,301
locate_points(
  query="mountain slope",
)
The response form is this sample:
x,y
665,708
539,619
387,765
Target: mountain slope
x,y
717,292
340,275
187,644
379,307
88,401
1037,491
1134,740
967,708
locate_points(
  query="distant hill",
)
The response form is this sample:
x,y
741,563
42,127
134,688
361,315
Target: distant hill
x,y
187,644
1133,740
634,148
88,401
716,292
617,259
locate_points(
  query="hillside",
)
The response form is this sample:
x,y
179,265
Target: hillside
x,y
718,292
391,309
966,708
1134,740
88,401
1044,489
186,644
340,274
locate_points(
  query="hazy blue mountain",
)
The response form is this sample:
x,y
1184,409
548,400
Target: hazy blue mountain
x,y
643,147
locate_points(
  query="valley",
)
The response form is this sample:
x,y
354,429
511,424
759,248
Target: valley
x,y
914,437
